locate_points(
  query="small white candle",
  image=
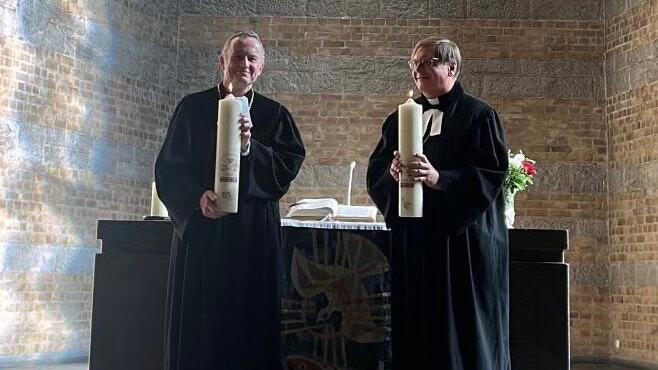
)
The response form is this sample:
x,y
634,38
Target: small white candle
x,y
227,159
349,184
410,141
157,207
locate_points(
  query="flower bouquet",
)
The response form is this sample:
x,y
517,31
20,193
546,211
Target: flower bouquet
x,y
520,173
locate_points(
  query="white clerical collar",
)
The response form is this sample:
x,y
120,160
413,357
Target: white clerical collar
x,y
434,116
433,101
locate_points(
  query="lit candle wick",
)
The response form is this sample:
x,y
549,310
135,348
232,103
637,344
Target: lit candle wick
x,y
230,87
411,93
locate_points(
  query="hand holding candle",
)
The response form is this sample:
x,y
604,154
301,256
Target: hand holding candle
x,y
410,123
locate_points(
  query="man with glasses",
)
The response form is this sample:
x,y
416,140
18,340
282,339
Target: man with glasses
x,y
449,268
223,301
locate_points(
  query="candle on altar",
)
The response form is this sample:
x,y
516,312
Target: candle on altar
x,y
410,141
157,207
227,158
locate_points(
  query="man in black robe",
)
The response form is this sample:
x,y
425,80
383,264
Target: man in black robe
x,y
223,301
449,268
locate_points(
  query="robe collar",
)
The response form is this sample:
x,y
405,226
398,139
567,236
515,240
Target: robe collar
x,y
447,101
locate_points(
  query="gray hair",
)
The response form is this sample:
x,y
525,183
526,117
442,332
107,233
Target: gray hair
x,y
239,35
445,50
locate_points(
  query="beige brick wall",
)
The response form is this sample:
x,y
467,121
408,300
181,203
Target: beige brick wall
x,y
45,313
632,114
86,91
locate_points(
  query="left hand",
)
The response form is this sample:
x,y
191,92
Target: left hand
x,y
245,132
208,206
422,170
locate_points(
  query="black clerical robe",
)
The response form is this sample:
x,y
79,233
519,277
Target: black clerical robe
x,y
223,301
450,268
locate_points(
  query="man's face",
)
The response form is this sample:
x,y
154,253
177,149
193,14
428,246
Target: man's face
x,y
243,62
431,78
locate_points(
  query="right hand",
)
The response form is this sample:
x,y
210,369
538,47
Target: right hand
x,y
208,206
245,132
396,166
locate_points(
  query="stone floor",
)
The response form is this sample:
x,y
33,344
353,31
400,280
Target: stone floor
x,y
48,367
599,367
84,367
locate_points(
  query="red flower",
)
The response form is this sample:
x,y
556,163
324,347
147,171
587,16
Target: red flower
x,y
529,168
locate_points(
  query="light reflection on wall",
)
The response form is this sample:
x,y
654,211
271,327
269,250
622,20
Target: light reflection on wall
x,y
85,93
45,256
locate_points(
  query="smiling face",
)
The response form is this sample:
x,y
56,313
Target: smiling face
x,y
432,80
242,63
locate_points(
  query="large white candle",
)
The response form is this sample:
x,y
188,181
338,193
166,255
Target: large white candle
x,y
410,141
157,208
227,159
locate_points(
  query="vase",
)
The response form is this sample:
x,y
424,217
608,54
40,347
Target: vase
x,y
509,210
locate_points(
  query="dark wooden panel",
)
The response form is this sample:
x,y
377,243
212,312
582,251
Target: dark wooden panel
x,y
538,245
539,316
131,237
128,312
130,287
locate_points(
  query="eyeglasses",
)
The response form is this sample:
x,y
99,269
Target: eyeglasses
x,y
417,63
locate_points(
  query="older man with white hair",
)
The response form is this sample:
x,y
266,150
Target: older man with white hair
x,y
223,301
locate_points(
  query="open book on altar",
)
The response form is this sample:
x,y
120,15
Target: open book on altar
x,y
329,209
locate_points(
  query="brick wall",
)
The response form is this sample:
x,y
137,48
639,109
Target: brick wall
x,y
85,89
631,54
86,92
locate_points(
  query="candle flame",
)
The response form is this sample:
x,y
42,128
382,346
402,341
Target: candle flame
x,y
411,93
230,87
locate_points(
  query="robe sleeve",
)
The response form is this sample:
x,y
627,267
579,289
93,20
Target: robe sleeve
x,y
382,188
270,167
177,185
468,191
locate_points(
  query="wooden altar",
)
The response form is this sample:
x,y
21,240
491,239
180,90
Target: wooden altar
x,y
335,296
